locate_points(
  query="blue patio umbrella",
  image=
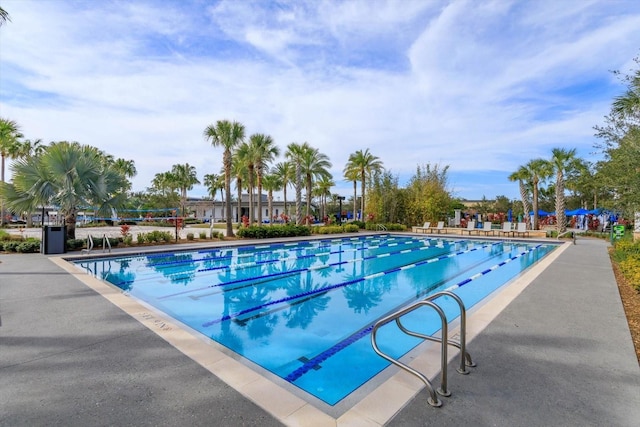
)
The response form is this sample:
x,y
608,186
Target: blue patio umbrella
x,y
509,215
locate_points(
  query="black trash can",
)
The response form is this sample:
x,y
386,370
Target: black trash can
x,y
54,239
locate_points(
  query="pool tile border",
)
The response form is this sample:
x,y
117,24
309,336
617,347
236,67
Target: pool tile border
x,y
375,409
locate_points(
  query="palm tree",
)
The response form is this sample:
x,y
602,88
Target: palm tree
x,y
538,170
244,154
271,182
213,182
185,178
4,16
10,147
286,173
263,150
522,176
322,190
240,171
563,162
365,163
314,165
228,135
67,175
628,105
351,174
294,154
32,148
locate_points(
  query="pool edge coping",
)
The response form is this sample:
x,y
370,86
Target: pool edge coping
x,y
375,409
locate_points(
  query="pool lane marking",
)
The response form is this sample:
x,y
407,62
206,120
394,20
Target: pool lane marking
x,y
327,288
315,361
288,272
247,255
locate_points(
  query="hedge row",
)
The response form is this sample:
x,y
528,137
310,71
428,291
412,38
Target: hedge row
x,y
255,232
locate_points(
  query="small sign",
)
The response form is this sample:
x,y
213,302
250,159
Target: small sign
x,y
618,231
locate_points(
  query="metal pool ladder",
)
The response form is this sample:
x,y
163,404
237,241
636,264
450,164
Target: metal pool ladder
x,y
105,243
465,357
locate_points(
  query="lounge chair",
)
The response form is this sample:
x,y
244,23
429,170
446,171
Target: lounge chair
x,y
486,229
471,226
521,229
424,228
439,228
506,228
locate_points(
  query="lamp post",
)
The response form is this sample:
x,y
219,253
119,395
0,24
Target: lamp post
x,y
340,199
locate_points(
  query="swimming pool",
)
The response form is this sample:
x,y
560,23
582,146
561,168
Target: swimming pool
x,y
301,309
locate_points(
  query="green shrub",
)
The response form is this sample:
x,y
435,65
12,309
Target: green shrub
x,y
128,240
190,236
351,228
29,246
75,244
202,235
288,230
4,235
10,245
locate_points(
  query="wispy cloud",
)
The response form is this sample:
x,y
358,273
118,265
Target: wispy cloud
x,y
482,86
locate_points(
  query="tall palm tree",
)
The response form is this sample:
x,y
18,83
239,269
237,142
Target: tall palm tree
x,y
539,170
286,172
264,151
294,154
244,154
366,163
67,175
314,165
213,182
10,147
240,171
271,182
563,162
185,178
322,190
227,135
351,174
522,175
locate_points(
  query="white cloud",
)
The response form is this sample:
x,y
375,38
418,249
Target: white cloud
x,y
475,85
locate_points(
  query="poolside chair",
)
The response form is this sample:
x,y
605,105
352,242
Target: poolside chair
x,y
506,228
439,228
425,227
521,229
486,229
471,226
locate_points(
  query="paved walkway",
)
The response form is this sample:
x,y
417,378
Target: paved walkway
x,y
560,354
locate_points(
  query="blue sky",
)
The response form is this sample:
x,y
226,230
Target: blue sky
x,y
480,86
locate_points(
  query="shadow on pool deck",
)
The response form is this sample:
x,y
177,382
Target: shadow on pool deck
x,y
559,354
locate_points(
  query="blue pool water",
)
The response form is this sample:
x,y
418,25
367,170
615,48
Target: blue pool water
x,y
304,310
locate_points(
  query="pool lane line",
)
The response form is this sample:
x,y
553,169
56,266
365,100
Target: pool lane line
x,y
264,279
288,272
337,285
246,255
317,360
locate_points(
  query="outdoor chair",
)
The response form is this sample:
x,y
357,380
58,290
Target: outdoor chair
x,y
486,229
506,228
521,230
471,226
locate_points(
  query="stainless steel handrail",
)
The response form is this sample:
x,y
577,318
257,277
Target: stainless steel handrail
x,y
465,357
108,243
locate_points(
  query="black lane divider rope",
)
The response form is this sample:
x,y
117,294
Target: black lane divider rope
x,y
317,360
